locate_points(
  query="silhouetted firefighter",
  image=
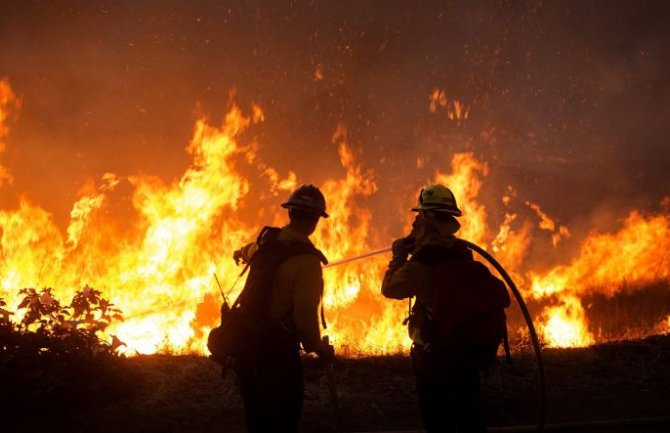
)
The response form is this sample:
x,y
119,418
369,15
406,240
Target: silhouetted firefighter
x,y
458,320
278,308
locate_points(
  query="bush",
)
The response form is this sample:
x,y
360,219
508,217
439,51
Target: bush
x,y
53,356
47,327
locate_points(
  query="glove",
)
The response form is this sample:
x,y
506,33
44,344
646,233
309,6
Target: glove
x,y
315,366
237,256
401,249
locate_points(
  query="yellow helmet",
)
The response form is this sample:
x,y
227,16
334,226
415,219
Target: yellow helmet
x,y
437,198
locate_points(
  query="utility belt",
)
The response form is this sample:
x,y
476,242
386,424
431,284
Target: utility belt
x,y
421,328
274,340
281,333
274,336
460,356
428,343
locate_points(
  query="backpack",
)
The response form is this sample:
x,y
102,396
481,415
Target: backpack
x,y
244,325
469,303
468,308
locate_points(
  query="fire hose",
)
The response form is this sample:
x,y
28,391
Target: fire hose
x,y
529,323
522,305
510,284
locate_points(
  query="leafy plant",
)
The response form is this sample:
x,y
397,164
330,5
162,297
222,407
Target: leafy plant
x,y
53,355
4,314
47,326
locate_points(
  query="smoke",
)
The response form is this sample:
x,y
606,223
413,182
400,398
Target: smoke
x,y
567,102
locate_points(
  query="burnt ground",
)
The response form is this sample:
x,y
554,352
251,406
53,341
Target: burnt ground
x,y
163,393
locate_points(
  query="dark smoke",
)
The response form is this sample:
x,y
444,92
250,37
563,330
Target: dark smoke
x,y
568,101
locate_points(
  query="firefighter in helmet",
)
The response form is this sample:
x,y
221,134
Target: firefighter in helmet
x,y
448,389
271,380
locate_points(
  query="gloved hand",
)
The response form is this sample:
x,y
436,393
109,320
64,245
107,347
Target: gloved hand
x,y
237,256
315,364
401,249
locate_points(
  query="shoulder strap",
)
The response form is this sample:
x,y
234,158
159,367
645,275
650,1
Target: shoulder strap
x,y
255,296
268,237
433,255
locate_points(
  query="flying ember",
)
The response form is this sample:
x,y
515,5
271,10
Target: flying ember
x,y
158,266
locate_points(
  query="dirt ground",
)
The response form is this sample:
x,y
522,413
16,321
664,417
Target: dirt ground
x,y
186,394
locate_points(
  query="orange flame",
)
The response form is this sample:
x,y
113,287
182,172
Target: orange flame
x,y
609,262
159,269
9,105
547,223
456,110
565,325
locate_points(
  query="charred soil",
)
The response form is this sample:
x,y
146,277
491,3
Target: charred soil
x,y
166,393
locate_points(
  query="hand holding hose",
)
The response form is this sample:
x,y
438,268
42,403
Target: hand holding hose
x,y
401,249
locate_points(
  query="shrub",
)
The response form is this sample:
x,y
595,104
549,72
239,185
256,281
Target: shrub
x,y
48,327
53,355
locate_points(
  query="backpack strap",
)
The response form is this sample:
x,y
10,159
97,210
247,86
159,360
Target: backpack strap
x,y
433,255
276,251
269,236
301,248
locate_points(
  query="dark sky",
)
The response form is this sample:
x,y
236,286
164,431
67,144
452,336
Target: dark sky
x,y
569,101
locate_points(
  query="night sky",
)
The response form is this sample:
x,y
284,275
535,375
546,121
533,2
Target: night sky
x,y
569,101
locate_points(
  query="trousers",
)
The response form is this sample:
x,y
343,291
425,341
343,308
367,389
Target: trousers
x,y
448,393
272,388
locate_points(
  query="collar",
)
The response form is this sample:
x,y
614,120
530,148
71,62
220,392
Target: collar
x,y
290,234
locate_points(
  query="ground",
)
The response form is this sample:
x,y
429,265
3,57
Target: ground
x,y
165,393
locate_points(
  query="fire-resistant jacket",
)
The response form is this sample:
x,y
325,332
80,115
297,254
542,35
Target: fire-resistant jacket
x,y
414,277
297,290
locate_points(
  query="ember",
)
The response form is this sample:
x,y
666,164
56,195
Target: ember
x,y
550,133
160,271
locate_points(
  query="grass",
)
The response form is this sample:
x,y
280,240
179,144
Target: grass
x,y
165,393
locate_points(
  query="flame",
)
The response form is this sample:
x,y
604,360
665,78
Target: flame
x,y
664,326
547,223
565,325
607,263
352,291
9,105
456,110
465,181
158,266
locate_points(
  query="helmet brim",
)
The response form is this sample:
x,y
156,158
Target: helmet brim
x,y
456,212
321,213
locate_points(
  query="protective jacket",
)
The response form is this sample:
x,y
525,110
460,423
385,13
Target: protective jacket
x,y
297,290
447,380
434,241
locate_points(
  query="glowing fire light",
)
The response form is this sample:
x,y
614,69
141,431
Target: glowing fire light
x,y
9,104
565,325
159,272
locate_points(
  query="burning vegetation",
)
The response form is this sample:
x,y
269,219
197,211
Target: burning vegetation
x,y
157,263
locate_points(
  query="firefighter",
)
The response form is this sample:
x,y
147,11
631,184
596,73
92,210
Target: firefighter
x,y
447,381
271,380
